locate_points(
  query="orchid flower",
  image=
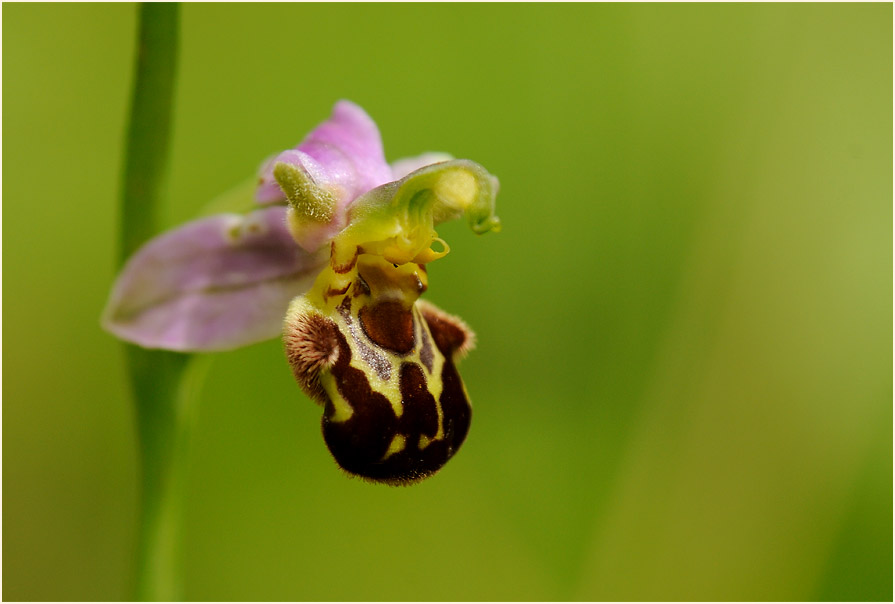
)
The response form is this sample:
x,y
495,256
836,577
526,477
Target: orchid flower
x,y
334,258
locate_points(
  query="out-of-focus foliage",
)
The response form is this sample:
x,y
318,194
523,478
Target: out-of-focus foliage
x,y
683,388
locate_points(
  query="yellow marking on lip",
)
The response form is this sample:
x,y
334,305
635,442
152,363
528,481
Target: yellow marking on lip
x,y
396,446
440,434
343,409
388,388
433,380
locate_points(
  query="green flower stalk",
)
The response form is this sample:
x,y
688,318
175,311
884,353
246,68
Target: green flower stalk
x,y
161,381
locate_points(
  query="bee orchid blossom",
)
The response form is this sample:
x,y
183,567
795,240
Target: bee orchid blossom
x,y
334,258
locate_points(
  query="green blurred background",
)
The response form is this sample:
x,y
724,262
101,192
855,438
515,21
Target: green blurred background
x,y
683,387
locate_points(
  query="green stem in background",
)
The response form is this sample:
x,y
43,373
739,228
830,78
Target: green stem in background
x,y
164,384
149,129
166,387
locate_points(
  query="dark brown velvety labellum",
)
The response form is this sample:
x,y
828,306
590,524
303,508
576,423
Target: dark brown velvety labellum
x,y
378,443
395,409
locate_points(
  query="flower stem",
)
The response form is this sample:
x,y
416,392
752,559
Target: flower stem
x,y
164,384
166,387
149,129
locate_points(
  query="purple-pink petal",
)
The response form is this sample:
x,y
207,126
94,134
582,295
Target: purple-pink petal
x,y
268,190
342,155
216,283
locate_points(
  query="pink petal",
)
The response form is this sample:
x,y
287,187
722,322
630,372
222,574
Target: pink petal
x,y
342,155
404,166
216,283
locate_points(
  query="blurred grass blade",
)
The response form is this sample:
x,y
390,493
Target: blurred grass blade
x,y
158,378
166,387
149,129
